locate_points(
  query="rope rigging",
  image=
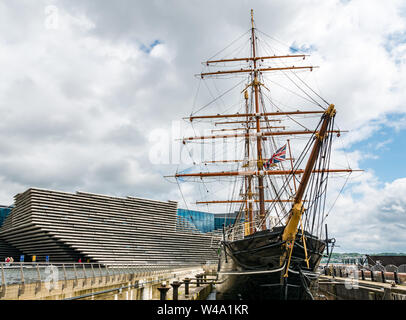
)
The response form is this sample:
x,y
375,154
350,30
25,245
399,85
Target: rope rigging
x,y
273,210
276,188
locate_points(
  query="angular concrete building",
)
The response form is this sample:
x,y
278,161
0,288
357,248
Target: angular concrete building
x,y
104,229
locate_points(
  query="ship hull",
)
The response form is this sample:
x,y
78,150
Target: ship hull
x,y
250,269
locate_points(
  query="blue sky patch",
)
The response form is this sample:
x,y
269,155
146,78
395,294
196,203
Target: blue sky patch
x,y
385,150
147,49
304,48
392,41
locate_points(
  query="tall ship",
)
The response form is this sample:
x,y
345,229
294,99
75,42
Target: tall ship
x,y
268,155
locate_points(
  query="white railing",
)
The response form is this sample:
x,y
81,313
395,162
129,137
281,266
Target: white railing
x,y
237,232
29,272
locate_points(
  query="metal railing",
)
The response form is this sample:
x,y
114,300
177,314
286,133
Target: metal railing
x,y
30,272
237,231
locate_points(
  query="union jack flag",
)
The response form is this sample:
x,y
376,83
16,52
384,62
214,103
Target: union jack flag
x,y
278,156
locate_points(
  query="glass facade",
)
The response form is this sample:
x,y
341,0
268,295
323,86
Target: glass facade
x,y
226,219
4,212
205,221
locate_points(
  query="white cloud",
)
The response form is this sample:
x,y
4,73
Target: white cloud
x,y
373,221
162,51
79,101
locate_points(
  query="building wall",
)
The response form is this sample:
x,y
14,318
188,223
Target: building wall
x,y
68,226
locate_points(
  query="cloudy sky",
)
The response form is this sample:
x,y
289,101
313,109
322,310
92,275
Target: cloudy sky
x,y
87,85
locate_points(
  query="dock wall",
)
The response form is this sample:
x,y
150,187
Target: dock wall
x,y
351,283
336,288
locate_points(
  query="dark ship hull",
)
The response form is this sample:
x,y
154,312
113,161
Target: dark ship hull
x,y
249,269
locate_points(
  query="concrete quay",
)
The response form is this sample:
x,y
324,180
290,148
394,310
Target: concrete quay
x,y
197,288
344,288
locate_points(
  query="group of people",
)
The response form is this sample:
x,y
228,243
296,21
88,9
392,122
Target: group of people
x,y
9,260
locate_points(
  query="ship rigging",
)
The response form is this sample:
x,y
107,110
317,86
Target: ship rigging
x,y
280,196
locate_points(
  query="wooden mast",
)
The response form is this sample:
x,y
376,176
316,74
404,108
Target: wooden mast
x,y
257,173
259,116
290,231
248,228
256,84
243,122
264,134
255,70
247,129
243,115
258,58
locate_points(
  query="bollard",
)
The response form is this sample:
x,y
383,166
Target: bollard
x,y
396,277
383,276
186,282
198,280
362,274
334,272
325,272
341,272
175,285
163,290
372,276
